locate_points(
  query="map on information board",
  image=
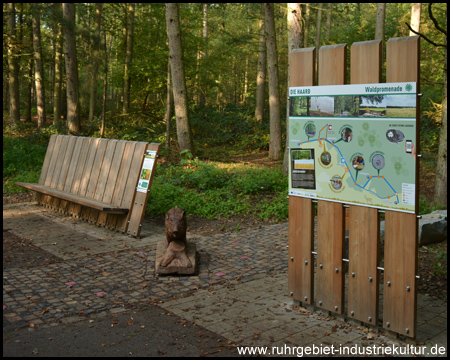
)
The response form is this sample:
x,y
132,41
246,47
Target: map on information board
x,y
354,144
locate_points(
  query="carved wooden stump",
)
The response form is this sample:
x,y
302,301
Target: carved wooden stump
x,y
175,254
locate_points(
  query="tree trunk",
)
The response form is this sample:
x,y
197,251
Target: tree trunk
x,y
73,119
328,28
14,103
261,72
169,105
440,187
105,88
178,78
415,18
307,17
317,41
275,149
379,28
294,25
203,56
39,70
95,60
128,59
58,72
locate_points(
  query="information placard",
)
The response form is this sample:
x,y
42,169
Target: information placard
x,y
354,144
146,172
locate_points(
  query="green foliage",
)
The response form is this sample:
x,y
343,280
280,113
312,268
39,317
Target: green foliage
x,y
22,161
426,207
211,191
234,124
440,263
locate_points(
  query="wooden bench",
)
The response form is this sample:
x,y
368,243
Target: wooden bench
x,y
97,180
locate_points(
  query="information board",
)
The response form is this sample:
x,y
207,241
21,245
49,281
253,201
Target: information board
x,y
146,172
354,144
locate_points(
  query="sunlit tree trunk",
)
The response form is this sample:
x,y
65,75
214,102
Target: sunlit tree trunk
x,y
379,26
294,25
415,17
38,68
178,78
14,104
128,58
306,29
261,72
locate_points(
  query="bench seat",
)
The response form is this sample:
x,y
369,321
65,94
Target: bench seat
x,y
90,203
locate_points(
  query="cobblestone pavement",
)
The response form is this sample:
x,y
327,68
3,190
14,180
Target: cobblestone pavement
x,y
240,291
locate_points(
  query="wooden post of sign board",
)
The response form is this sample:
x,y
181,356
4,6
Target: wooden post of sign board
x,y
364,229
330,215
301,210
401,229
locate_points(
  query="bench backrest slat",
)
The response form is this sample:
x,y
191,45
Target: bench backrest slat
x,y
48,158
86,176
82,147
67,162
131,182
59,162
54,159
105,170
71,171
112,180
96,167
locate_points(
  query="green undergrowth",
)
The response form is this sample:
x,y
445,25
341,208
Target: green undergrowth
x,y
215,190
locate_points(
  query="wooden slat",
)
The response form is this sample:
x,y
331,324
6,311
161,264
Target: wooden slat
x,y
48,158
47,200
116,221
364,234
333,64
138,211
131,183
103,176
86,175
400,268
301,214
401,229
112,181
330,251
59,165
53,161
301,67
63,178
301,244
83,145
330,215
365,61
363,294
54,202
76,199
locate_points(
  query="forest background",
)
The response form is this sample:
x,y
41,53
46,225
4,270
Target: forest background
x,y
102,70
